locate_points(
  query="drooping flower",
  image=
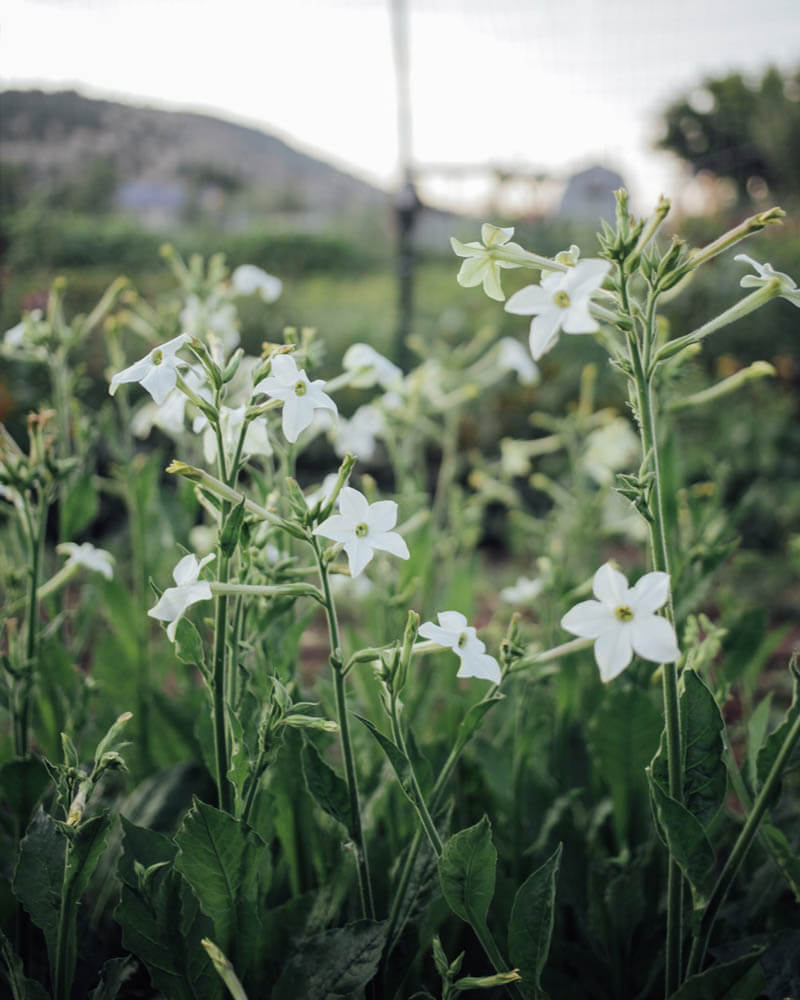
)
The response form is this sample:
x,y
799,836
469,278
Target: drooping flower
x,y
765,274
157,372
300,397
189,589
363,528
248,279
87,556
482,264
623,621
560,302
452,632
372,367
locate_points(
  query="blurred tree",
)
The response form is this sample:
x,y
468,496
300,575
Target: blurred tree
x,y
748,132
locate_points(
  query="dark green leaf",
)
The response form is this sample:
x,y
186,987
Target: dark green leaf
x,y
473,718
395,756
39,875
115,972
686,838
325,786
22,783
227,865
333,964
189,645
785,858
21,987
79,505
739,980
143,846
467,871
531,923
705,778
775,740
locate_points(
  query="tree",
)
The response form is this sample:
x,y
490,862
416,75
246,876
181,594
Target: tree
x,y
746,131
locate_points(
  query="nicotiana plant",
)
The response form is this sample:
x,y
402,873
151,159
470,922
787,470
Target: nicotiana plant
x,y
337,839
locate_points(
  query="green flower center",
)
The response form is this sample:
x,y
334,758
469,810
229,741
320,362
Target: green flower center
x,y
158,356
362,529
561,299
299,388
463,639
623,613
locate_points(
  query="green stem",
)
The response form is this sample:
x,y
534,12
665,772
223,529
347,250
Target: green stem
x,y
362,863
218,693
36,531
743,841
422,810
61,988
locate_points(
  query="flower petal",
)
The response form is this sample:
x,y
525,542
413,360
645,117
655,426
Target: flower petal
x,y
578,319
649,593
529,301
335,527
589,619
480,665
390,541
586,277
495,236
382,516
491,283
613,652
544,332
354,506
359,554
452,620
610,586
654,638
160,381
284,368
471,272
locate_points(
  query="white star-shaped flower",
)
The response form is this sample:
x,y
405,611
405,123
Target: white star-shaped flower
x,y
452,632
623,621
363,528
157,372
765,274
251,280
372,367
190,589
300,397
86,555
482,265
560,302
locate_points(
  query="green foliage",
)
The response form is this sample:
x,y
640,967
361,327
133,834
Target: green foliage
x,y
531,923
467,872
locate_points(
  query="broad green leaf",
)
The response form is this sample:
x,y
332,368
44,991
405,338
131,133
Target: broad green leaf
x,y
623,734
239,763
705,778
685,837
325,786
189,646
474,717
39,875
531,924
395,756
333,964
467,872
142,847
22,782
21,987
785,858
163,925
227,864
757,726
738,980
115,972
775,740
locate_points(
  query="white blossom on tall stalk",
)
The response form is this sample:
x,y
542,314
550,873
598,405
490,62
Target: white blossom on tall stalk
x,y
766,273
256,438
623,621
248,279
300,397
372,368
358,435
87,556
363,528
157,372
189,589
560,302
482,266
610,448
452,632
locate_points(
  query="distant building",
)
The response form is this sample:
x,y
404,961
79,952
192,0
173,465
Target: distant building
x,y
589,195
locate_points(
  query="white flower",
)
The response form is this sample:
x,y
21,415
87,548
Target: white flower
x,y
359,434
452,632
157,372
524,591
623,621
767,273
560,302
190,589
15,337
170,416
300,397
610,448
86,555
512,357
372,368
251,280
482,266
213,321
256,438
323,492
362,528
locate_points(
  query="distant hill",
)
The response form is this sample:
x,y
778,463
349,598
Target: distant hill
x,y
163,167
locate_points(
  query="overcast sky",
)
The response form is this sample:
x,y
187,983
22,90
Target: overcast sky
x,y
556,84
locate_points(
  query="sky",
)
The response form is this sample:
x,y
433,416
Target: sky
x,y
548,85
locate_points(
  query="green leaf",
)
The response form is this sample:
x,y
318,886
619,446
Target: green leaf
x,y
39,876
739,980
226,863
785,858
757,726
395,756
21,987
474,717
705,778
623,733
239,762
531,924
333,964
189,646
467,872
22,783
685,837
116,971
325,786
79,505
144,847
775,740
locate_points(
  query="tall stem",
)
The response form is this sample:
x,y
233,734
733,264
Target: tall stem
x,y
219,688
36,530
61,988
362,862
